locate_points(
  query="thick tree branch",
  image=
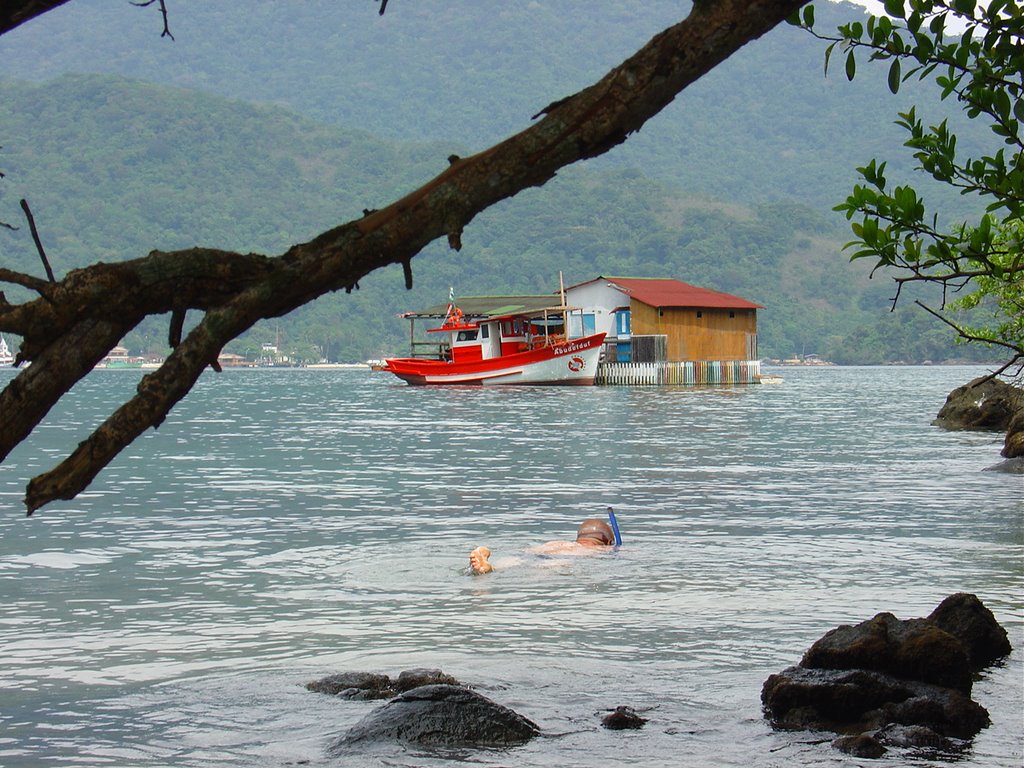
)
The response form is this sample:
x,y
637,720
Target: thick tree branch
x,y
29,397
17,12
238,290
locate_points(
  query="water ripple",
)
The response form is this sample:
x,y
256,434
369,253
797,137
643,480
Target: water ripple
x,y
282,525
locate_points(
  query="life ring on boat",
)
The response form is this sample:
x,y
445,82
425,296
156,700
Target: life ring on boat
x,y
577,364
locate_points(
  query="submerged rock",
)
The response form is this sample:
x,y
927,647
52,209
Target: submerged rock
x,y
919,738
1013,466
623,718
441,715
859,746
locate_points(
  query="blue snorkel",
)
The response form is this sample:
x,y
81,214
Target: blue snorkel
x,y
615,527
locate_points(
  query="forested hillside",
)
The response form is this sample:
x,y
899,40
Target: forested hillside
x,y
731,188
765,125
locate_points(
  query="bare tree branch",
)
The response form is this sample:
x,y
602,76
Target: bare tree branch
x,y
237,290
35,238
1016,349
163,11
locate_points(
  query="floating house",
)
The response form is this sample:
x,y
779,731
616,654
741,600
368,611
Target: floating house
x,y
660,330
657,330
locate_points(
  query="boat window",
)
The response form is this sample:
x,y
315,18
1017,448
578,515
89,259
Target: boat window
x,y
512,329
484,331
466,336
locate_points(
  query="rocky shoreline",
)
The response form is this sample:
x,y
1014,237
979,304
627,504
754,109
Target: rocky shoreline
x,y
881,684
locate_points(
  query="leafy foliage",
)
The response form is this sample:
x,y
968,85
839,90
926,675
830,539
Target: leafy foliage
x,y
982,67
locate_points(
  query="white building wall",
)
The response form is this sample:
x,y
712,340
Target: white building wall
x,y
601,299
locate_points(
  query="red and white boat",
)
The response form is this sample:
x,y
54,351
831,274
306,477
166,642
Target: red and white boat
x,y
521,348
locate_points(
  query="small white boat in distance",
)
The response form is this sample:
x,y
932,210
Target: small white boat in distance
x,y
6,358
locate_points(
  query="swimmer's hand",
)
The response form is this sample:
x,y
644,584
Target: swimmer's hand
x,y
478,561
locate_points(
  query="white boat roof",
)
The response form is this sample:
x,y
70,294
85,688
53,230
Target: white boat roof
x,y
493,307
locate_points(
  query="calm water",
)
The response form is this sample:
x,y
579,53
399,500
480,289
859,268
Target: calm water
x,y
285,525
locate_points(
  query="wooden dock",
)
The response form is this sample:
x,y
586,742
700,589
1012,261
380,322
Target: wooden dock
x,y
688,373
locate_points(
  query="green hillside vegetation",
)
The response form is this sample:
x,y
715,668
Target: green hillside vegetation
x,y
114,168
766,125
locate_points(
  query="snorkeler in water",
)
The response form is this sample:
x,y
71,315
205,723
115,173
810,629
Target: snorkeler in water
x,y
593,535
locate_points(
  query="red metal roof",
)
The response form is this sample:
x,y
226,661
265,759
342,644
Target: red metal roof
x,y
665,292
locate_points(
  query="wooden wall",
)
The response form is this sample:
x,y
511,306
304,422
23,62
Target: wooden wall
x,y
712,336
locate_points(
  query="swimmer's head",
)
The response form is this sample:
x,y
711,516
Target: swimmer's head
x,y
595,533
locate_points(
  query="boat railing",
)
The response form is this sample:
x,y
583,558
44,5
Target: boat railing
x,y
428,349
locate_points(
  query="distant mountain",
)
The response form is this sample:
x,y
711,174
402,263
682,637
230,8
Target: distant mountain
x,y
730,188
765,125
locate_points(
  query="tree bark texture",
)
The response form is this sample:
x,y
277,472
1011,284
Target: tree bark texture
x,y
78,319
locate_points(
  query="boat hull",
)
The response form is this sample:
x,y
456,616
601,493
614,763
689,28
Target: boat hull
x,y
572,362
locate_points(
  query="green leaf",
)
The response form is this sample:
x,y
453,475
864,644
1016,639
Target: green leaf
x,y
894,8
894,76
809,16
851,66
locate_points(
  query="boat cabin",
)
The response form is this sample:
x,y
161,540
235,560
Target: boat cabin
x,y
497,337
481,328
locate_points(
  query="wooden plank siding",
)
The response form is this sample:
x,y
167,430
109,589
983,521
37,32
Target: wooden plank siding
x,y
714,335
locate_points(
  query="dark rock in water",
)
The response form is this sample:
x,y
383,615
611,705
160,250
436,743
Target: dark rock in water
x,y
918,737
417,678
362,686
354,685
862,700
623,718
1013,446
965,617
984,405
441,715
906,683
859,746
1014,466
914,649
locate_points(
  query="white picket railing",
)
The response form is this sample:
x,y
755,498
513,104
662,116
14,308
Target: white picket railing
x,y
690,372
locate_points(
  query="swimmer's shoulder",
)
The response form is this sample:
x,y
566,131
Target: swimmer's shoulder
x,y
556,548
